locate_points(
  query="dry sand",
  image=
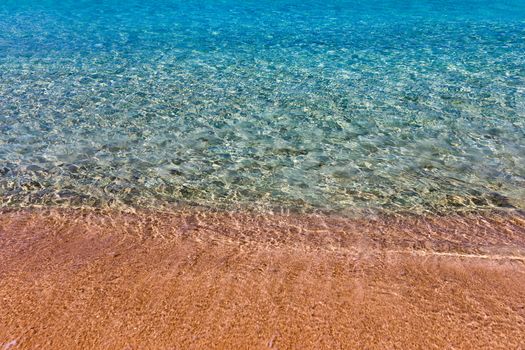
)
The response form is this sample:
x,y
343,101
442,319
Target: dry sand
x,y
73,279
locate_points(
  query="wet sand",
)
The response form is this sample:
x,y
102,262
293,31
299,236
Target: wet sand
x,y
195,279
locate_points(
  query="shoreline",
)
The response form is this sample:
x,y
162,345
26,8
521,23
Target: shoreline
x,y
204,279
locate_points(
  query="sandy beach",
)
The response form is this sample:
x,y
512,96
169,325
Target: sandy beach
x,y
255,174
195,279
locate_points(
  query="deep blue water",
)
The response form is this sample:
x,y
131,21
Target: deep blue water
x,y
338,105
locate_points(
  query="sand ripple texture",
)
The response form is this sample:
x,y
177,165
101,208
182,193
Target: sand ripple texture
x,y
218,280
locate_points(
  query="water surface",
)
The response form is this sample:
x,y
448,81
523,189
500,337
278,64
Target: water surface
x,y
334,105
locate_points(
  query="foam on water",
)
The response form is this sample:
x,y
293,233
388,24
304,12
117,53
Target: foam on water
x,y
338,105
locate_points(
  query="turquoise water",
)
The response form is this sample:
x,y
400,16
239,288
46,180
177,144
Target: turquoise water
x,y
333,105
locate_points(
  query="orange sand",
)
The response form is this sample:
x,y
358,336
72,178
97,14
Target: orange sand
x,y
72,279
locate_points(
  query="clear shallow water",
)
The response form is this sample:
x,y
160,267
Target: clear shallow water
x,y
337,105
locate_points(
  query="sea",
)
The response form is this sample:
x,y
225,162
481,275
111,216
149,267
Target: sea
x,y
348,107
